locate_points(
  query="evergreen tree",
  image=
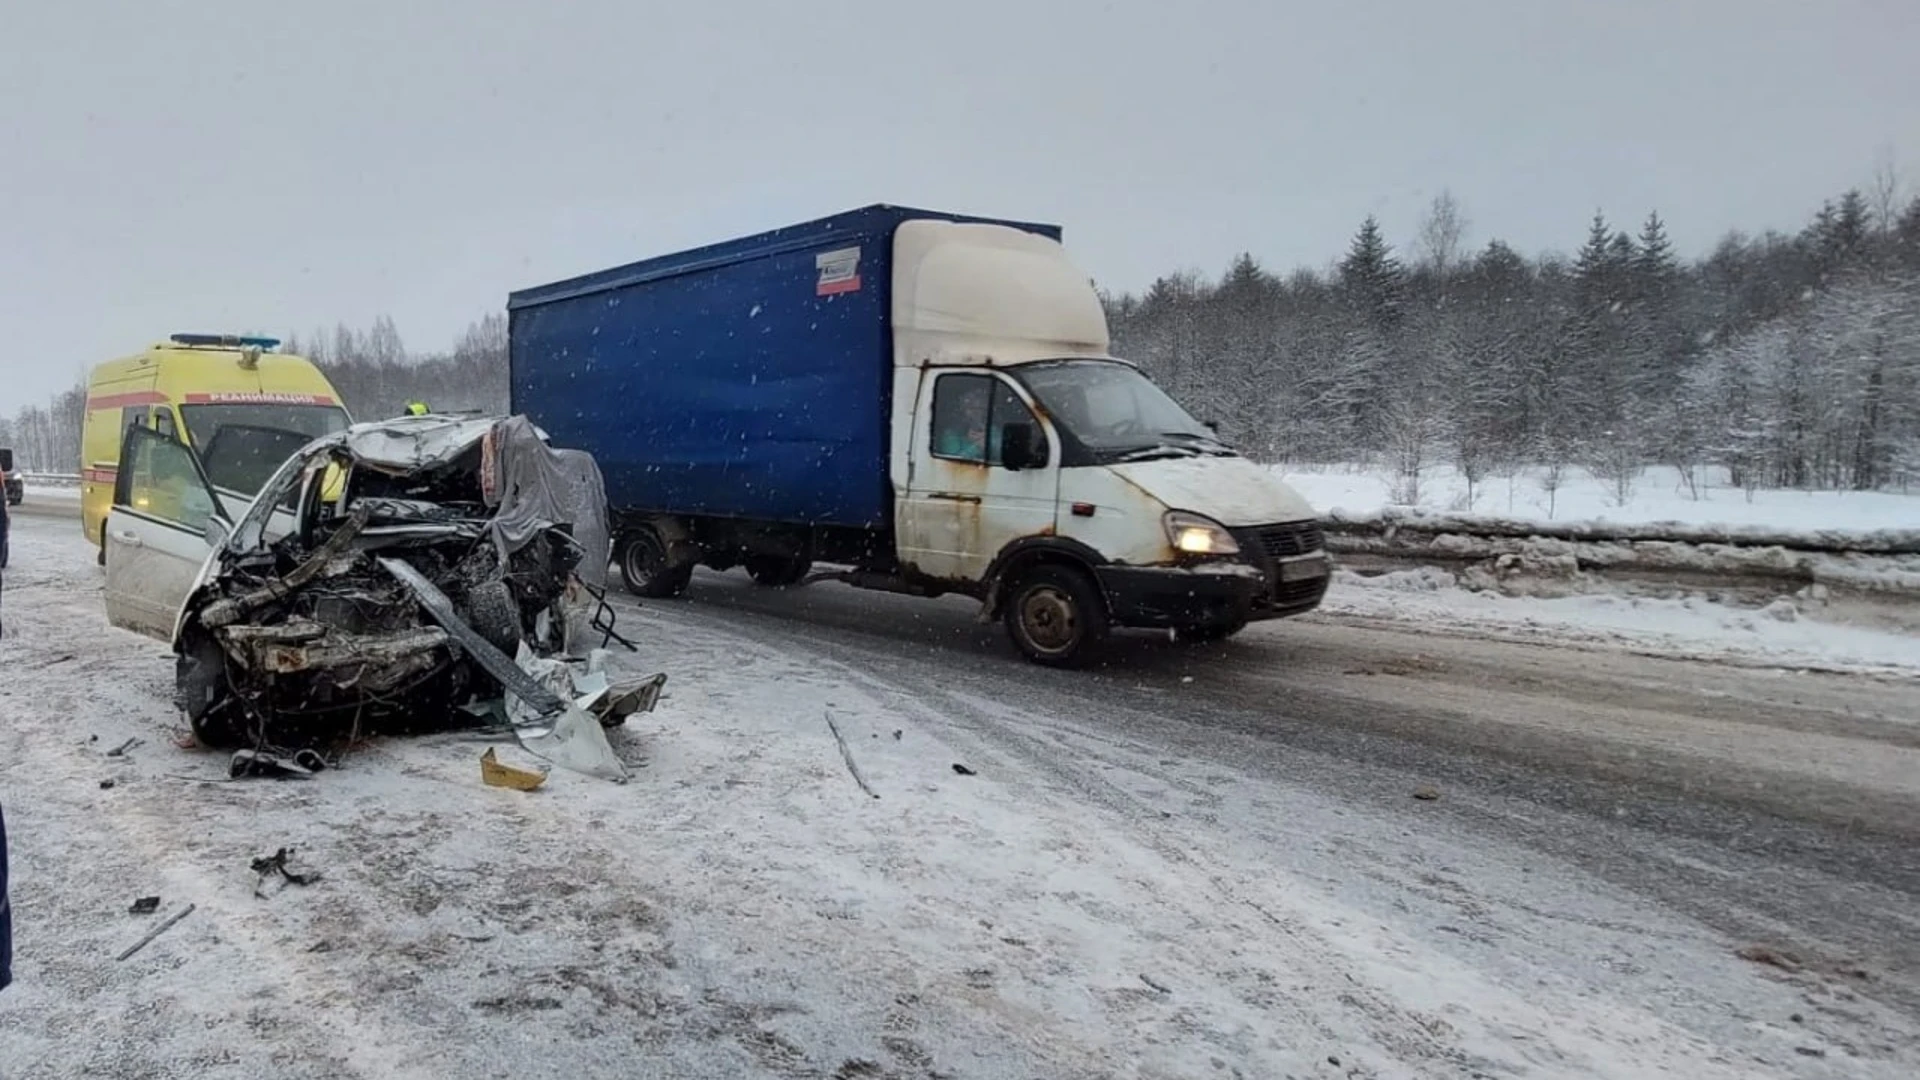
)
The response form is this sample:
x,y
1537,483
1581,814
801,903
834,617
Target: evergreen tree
x,y
1373,278
1654,267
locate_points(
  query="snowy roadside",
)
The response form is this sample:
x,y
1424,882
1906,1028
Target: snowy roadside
x,y
1075,905
1779,635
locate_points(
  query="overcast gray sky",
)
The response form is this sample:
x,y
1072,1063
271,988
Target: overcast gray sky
x,y
222,165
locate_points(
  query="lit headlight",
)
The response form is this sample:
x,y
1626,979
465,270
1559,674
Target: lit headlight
x,y
1191,534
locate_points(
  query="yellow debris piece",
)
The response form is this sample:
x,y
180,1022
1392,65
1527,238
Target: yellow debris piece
x,y
495,774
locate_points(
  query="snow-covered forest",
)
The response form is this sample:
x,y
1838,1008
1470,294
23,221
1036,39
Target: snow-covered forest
x,y
1787,360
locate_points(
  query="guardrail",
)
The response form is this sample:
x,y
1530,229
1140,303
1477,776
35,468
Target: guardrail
x,y
51,479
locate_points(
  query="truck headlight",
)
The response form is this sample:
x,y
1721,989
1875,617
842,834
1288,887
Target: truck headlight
x,y
1191,534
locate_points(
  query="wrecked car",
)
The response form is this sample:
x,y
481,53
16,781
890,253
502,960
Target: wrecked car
x,y
393,575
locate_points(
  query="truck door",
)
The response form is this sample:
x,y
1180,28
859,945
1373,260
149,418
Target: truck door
x,y
964,503
156,532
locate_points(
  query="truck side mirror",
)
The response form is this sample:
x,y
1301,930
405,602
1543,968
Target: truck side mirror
x,y
1016,448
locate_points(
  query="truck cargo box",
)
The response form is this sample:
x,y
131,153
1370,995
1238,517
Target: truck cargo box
x,y
748,379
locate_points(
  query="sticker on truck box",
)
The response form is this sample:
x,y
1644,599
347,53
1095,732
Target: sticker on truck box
x,y
839,271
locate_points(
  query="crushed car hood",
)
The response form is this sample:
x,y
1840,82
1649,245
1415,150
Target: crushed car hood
x,y
413,443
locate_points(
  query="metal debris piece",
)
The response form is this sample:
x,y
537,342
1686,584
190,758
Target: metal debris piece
x,y
440,610
846,755
268,865
259,763
574,739
146,905
156,932
121,750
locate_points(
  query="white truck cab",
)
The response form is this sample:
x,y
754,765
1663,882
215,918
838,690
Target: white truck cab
x,y
1057,481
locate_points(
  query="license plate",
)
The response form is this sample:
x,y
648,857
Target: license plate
x,y
1304,569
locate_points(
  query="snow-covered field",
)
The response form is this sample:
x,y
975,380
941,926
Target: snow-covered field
x,y
1078,905
1659,495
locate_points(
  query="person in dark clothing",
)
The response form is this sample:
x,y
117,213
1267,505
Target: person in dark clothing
x,y
6,912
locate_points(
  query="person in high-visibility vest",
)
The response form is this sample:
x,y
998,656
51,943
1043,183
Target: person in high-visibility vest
x,y
417,408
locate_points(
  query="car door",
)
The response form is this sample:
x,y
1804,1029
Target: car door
x,y
964,504
157,532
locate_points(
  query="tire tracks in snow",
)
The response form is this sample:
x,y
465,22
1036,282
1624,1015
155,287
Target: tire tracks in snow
x,y
1665,994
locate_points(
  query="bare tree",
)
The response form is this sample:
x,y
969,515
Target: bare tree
x,y
1883,194
1443,232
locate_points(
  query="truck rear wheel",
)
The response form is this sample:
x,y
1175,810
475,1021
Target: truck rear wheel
x,y
777,572
644,569
1056,615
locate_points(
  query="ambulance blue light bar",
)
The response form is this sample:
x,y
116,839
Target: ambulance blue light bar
x,y
228,340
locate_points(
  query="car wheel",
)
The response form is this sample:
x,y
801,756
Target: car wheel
x,y
495,615
777,572
1056,615
644,569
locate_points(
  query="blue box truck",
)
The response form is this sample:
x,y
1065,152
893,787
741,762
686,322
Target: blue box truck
x,y
914,401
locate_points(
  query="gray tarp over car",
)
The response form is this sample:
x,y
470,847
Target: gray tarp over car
x,y
538,485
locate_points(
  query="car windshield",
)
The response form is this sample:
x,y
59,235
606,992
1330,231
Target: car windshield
x,y
1114,410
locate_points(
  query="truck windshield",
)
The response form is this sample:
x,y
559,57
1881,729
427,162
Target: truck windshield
x,y
1116,412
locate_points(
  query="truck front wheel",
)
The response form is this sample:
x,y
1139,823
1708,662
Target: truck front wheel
x,y
644,569
1056,616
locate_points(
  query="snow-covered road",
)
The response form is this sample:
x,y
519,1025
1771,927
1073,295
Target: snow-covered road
x,y
1329,848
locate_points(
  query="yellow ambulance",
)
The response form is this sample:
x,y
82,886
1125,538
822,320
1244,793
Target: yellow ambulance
x,y
242,406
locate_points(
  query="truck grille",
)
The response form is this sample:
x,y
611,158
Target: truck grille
x,y
1283,541
1265,545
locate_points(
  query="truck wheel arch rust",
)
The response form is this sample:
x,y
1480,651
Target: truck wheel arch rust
x,y
1031,551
